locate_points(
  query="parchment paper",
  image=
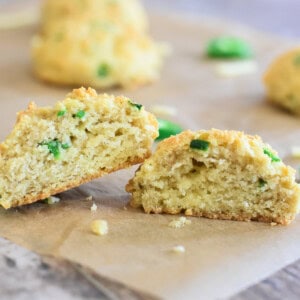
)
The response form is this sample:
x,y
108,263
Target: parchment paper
x,y
222,257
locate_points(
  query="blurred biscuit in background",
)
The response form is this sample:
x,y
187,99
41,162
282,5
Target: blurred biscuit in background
x,y
282,81
98,43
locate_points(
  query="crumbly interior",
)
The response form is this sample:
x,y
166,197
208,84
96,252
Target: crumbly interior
x,y
95,135
232,179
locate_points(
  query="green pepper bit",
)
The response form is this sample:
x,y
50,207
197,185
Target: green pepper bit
x,y
103,70
80,114
228,47
136,105
54,147
261,182
61,113
273,157
167,129
199,145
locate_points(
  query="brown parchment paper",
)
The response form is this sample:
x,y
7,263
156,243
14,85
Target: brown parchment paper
x,y
222,257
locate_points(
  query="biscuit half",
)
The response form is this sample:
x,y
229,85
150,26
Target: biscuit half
x,y
85,136
217,174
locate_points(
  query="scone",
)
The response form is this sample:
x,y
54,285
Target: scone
x,y
282,81
217,174
96,43
85,136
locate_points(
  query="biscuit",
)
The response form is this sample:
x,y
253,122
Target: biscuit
x,y
97,43
85,136
217,174
282,81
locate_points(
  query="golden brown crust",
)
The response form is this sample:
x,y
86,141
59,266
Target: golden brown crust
x,y
220,216
82,93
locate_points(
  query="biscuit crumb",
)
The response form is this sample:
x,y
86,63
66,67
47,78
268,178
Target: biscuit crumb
x,y
295,151
52,200
125,208
273,224
99,227
94,207
178,249
163,110
180,222
89,198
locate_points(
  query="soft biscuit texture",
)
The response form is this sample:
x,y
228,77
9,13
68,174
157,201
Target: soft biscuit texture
x,y
282,81
98,43
237,177
85,136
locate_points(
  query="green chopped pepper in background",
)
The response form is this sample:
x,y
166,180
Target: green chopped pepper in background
x,y
167,128
103,70
199,145
228,47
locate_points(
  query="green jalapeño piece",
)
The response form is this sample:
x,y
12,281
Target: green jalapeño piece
x,y
273,157
103,70
228,47
55,147
167,128
136,105
199,145
80,114
61,113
